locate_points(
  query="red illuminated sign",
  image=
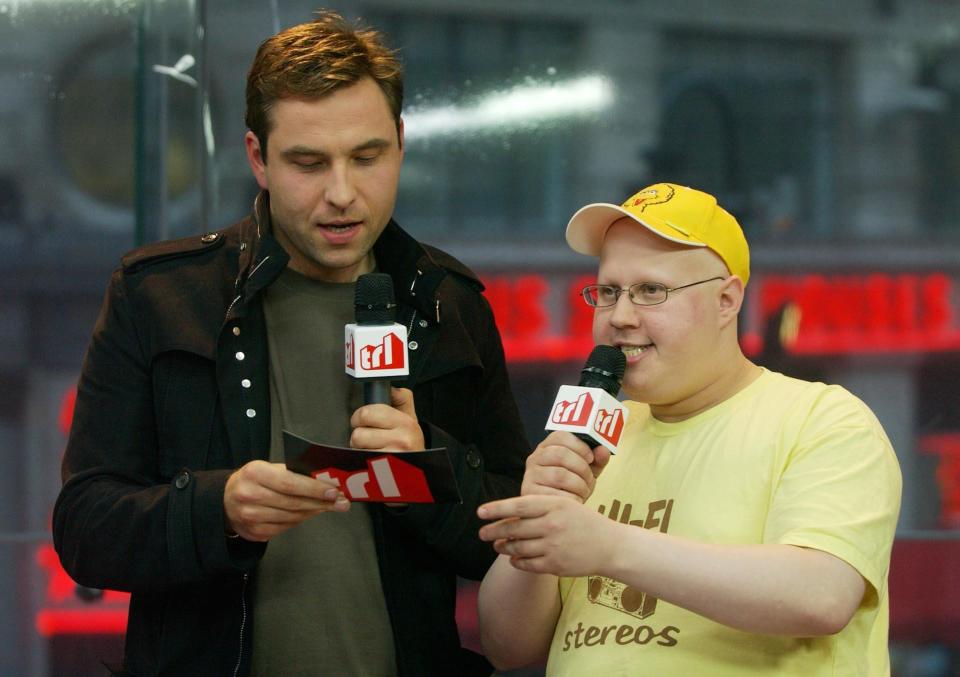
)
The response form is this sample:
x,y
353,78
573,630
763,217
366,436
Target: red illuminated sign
x,y
834,314
947,447
64,612
875,313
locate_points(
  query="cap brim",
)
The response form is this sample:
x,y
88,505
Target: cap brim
x,y
588,226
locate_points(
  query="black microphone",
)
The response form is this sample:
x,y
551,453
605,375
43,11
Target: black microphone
x,y
590,410
383,346
603,369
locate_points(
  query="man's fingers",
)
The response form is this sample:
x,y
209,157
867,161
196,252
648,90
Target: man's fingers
x,y
545,490
394,439
379,427
601,456
258,514
265,497
561,456
275,513
562,438
277,478
261,500
520,506
514,529
402,399
533,547
374,416
558,467
386,416
556,480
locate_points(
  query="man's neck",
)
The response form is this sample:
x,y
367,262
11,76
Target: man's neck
x,y
742,373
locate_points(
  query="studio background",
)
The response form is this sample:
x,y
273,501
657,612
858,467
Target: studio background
x,y
831,129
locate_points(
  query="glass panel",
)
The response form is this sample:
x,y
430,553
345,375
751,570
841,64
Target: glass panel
x,y
749,119
99,122
830,129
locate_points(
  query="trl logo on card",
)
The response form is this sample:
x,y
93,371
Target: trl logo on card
x,y
609,425
388,354
387,478
576,412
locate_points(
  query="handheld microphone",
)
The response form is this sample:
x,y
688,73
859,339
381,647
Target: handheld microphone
x,y
375,345
590,409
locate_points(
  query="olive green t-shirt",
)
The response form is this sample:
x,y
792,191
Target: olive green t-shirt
x,y
318,602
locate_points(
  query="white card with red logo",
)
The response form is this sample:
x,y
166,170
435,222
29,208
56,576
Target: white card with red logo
x,y
376,476
376,351
592,411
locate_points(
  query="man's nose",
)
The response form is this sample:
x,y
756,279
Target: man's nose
x,y
624,312
340,191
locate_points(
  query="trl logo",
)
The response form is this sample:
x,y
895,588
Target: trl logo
x,y
386,355
576,412
349,347
609,424
386,478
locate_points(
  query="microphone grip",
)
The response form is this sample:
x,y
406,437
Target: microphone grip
x,y
376,391
586,438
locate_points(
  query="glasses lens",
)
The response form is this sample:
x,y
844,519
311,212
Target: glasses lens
x,y
599,295
648,293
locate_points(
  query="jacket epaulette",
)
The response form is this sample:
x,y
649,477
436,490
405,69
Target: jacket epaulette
x,y
443,259
169,249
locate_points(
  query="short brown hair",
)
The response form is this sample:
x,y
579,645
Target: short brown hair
x,y
312,60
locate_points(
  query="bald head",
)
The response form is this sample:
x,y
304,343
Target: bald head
x,y
669,262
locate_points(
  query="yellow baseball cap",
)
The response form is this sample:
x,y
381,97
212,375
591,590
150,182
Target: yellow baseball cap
x,y
673,212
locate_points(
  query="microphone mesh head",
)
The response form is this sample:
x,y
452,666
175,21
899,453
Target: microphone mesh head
x,y
373,299
604,369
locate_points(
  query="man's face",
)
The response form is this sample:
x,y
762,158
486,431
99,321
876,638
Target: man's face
x,y
332,170
671,348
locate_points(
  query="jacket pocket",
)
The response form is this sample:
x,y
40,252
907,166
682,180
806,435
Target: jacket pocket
x,y
185,398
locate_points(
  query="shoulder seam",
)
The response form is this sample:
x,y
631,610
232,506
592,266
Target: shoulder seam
x,y
164,250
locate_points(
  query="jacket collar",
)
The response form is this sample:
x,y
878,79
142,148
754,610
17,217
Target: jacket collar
x,y
415,272
416,275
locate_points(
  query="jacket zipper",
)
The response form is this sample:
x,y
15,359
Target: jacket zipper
x,y
246,576
410,328
413,293
237,287
243,622
230,307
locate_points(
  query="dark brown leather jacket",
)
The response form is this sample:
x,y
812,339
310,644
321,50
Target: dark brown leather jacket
x,y
163,417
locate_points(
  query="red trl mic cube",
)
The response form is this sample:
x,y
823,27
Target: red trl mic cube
x,y
589,411
376,351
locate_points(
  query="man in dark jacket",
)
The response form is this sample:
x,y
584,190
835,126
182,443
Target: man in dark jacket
x,y
208,347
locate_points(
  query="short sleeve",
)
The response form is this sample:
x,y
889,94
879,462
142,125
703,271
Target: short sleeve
x,y
839,490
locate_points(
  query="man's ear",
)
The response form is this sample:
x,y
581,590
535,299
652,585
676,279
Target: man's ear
x,y
731,299
255,158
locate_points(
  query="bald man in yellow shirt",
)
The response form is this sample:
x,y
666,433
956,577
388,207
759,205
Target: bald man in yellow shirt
x,y
743,528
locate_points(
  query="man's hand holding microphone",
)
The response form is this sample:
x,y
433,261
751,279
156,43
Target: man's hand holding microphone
x,y
262,499
547,529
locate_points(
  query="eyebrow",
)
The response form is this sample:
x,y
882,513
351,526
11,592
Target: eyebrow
x,y
306,151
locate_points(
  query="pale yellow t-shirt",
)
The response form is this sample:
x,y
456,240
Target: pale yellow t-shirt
x,y
783,461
